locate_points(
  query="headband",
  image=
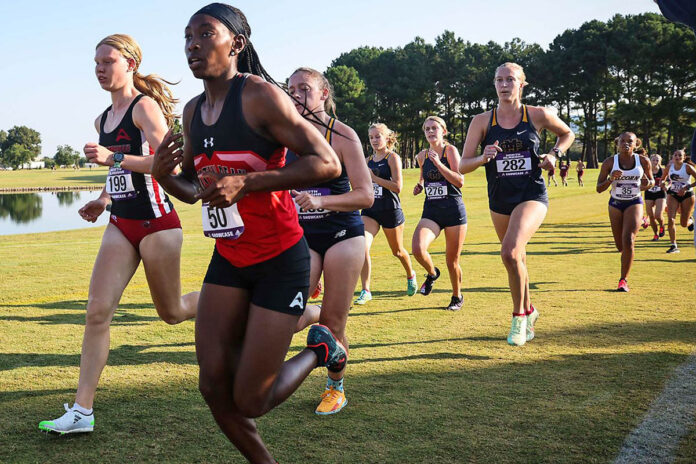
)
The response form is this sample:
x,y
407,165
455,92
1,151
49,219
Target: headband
x,y
226,15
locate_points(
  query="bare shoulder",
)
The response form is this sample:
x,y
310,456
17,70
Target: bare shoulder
x,y
343,137
258,91
541,113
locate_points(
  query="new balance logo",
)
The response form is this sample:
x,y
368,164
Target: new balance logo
x,y
298,301
340,234
207,143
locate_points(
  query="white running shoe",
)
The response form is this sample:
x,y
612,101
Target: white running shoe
x,y
71,422
518,331
531,319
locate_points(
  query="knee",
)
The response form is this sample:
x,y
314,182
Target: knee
x,y
170,317
399,253
250,403
511,256
99,312
629,241
212,385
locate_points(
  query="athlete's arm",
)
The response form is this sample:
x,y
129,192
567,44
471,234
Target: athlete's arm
x,y
361,194
418,188
396,183
545,118
647,173
474,137
452,154
271,113
603,180
692,172
176,149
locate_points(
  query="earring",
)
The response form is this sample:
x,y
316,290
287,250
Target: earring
x,y
232,53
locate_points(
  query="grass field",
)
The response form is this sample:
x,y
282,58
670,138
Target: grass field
x,y
424,385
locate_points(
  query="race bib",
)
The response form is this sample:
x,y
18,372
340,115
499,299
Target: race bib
x,y
676,186
119,184
222,222
314,214
377,190
655,188
626,191
513,164
436,190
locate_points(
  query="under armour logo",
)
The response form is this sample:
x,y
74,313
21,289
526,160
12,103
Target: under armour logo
x,y
340,234
298,301
207,143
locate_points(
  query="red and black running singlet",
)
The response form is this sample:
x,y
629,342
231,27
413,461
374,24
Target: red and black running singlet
x,y
262,224
134,195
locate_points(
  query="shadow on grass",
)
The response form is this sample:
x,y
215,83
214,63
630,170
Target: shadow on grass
x,y
77,305
124,355
79,319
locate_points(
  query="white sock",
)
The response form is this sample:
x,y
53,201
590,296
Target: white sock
x,y
81,409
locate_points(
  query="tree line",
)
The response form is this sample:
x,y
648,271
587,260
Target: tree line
x,y
21,145
635,73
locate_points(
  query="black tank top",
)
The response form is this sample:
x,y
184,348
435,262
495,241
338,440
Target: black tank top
x,y
385,199
439,192
323,221
514,175
138,196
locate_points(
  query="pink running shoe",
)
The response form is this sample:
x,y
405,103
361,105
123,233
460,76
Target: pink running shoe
x,y
623,286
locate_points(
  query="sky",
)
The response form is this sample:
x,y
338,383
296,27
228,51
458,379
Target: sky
x,y
47,79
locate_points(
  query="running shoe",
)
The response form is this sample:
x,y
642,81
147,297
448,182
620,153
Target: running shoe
x,y
662,231
690,226
623,286
332,401
70,422
655,238
329,350
317,291
427,286
412,285
364,297
531,319
646,222
518,331
455,303
673,249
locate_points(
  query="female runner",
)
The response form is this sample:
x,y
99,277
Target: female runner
x,y
329,215
517,195
564,167
580,168
680,196
143,224
443,209
234,139
655,198
551,176
627,173
385,169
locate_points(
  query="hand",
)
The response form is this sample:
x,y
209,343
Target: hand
x,y
306,201
92,210
615,175
372,176
222,191
490,152
95,153
418,188
168,155
681,192
548,161
434,157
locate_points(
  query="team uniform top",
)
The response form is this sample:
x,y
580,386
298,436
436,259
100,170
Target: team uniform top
x,y
134,195
322,221
514,175
679,179
627,187
385,199
658,177
564,170
261,225
439,192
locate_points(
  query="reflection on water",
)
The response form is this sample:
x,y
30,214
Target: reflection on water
x,y
20,207
24,213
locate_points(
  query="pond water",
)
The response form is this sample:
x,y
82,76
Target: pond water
x,y
25,213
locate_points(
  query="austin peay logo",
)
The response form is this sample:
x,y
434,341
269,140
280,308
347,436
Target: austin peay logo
x,y
122,135
208,143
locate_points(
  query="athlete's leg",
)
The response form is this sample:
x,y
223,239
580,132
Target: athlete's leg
x,y
617,226
161,255
660,205
631,224
426,231
395,239
672,208
686,208
115,265
516,230
371,229
650,209
311,312
454,237
342,264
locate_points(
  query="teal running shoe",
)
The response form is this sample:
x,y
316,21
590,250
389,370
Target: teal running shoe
x,y
531,319
412,285
329,350
364,297
71,422
518,331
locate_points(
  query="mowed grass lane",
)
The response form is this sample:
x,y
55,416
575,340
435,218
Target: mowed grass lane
x,y
424,385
